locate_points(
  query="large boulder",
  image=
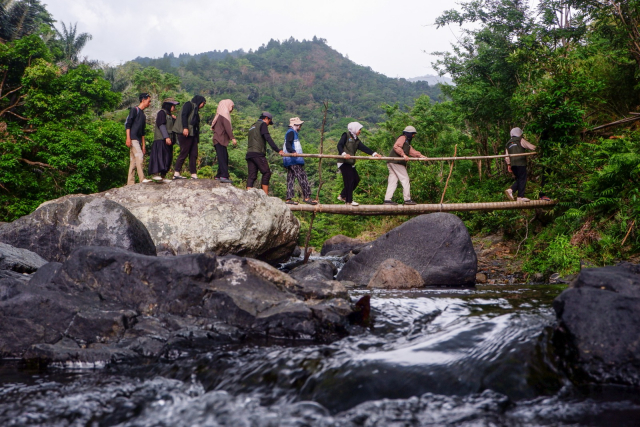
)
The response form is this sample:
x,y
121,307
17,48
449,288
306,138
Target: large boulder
x,y
197,216
437,246
315,281
19,260
58,227
598,329
340,245
106,304
394,274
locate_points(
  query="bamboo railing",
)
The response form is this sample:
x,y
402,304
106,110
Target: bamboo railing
x,y
416,159
420,209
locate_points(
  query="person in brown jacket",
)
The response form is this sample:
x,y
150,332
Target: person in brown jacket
x,y
222,134
398,168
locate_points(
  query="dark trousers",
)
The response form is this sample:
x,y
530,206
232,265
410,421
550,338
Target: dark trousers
x,y
256,164
223,161
188,147
297,172
521,179
350,178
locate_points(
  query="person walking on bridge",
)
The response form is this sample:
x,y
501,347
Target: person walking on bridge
x,y
398,168
258,138
295,165
187,126
517,165
348,146
222,134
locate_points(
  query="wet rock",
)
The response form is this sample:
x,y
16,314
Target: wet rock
x,y
599,325
19,260
197,216
297,252
538,278
340,245
111,304
58,227
315,281
437,245
394,274
481,278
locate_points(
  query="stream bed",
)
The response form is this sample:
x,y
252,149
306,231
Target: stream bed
x,y
463,357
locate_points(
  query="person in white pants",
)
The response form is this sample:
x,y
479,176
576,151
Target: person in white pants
x,y
398,168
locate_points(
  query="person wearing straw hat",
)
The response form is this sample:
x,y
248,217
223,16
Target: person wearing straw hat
x,y
222,134
258,137
295,165
163,140
517,165
348,146
398,168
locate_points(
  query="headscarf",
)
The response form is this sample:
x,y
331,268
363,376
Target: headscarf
x,y
198,99
224,109
517,132
354,127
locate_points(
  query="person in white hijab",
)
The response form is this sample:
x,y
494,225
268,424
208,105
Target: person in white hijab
x,y
348,146
517,165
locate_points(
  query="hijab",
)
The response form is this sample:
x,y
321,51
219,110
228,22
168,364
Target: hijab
x,y
517,132
198,99
224,109
354,127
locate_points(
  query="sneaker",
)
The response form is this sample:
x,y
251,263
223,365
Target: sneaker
x,y
509,193
355,204
226,180
310,202
178,177
144,181
290,202
341,199
156,178
410,202
523,199
390,202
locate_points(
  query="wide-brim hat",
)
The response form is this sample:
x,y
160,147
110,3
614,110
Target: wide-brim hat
x,y
410,129
170,101
295,121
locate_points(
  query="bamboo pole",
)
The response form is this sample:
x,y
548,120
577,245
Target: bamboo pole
x,y
455,152
411,159
421,209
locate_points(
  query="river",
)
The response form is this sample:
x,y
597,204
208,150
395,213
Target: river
x,y
463,357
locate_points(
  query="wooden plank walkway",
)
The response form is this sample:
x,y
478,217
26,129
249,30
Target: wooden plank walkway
x,y
342,209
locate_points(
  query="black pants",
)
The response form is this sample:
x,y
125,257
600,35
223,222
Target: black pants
x,y
223,161
350,178
188,147
256,164
521,179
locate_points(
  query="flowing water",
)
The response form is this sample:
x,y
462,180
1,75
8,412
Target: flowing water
x,y
472,357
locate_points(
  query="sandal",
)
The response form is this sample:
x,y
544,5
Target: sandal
x,y
545,198
290,202
310,202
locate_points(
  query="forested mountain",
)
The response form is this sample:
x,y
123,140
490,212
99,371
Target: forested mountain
x,y
292,77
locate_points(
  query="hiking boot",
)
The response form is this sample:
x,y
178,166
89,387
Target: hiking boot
x,y
341,199
409,202
355,204
523,199
390,202
226,180
310,202
509,193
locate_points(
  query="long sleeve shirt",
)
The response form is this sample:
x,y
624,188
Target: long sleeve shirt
x,y
136,122
161,123
397,147
186,110
222,132
361,146
525,144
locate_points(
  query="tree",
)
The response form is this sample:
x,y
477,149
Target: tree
x,y
72,43
21,18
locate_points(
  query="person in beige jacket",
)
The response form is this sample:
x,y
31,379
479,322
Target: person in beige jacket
x,y
398,168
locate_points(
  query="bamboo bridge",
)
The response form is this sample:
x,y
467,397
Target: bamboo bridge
x,y
419,209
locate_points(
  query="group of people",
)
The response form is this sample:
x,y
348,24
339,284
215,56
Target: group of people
x,y
185,127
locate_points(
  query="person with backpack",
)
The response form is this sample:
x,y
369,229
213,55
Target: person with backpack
x,y
295,165
517,165
135,126
348,146
187,127
163,140
398,168
256,157
222,134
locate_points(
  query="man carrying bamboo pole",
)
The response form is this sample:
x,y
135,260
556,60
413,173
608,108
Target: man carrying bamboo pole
x,y
517,165
398,168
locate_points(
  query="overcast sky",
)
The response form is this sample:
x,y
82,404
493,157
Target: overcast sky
x,y
390,36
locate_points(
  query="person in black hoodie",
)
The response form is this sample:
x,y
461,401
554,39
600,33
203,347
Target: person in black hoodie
x,y
348,145
187,126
